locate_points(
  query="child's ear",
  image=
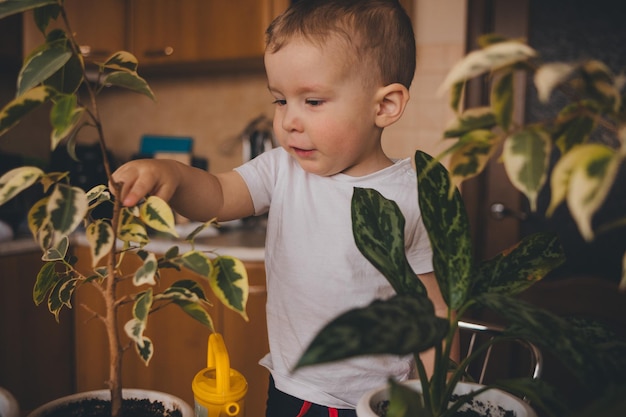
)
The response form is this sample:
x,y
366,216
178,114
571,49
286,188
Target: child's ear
x,y
391,101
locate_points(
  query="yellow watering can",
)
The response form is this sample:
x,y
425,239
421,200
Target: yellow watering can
x,y
218,390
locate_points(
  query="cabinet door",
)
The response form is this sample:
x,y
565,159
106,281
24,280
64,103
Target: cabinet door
x,y
190,31
99,27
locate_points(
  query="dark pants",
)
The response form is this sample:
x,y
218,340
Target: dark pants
x,y
280,404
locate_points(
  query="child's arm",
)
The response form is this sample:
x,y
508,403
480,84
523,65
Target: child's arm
x,y
192,192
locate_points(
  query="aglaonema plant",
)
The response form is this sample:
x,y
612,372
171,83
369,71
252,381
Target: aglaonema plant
x,y
406,324
55,73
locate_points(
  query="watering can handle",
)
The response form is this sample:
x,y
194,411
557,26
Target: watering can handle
x,y
217,357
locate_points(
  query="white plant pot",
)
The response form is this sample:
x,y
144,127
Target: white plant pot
x,y
169,401
8,404
493,396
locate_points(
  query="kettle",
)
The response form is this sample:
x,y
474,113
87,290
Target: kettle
x,y
257,137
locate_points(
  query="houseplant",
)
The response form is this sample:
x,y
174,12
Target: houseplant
x,y
583,177
56,73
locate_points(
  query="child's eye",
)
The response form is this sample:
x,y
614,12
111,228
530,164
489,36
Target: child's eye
x,y
279,102
314,102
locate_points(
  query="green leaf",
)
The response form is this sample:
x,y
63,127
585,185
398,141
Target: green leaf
x,y
135,327
599,85
378,229
58,296
518,268
66,208
447,224
184,290
69,77
191,236
17,180
198,262
147,272
470,155
13,112
526,156
46,280
10,7
574,124
41,66
502,100
64,117
229,282
471,119
131,81
403,401
456,93
58,251
43,16
157,214
100,238
400,325
197,312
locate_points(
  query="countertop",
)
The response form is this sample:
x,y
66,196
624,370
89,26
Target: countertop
x,y
247,244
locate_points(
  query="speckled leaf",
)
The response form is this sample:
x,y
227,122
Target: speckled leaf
x,y
100,238
122,61
502,100
66,209
401,325
157,214
146,272
229,282
128,80
135,327
22,105
516,269
469,120
446,221
526,156
7,8
17,180
46,280
378,229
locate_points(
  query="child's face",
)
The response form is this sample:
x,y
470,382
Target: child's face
x,y
325,112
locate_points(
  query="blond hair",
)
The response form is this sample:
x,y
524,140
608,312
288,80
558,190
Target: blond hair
x,y
379,31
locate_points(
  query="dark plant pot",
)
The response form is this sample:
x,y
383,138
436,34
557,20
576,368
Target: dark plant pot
x,y
492,403
173,406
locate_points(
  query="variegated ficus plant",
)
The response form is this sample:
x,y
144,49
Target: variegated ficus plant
x,y
582,177
55,73
592,99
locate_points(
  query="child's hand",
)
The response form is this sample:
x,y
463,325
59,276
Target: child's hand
x,y
135,180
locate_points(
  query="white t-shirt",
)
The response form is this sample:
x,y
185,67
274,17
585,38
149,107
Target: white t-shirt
x,y
315,271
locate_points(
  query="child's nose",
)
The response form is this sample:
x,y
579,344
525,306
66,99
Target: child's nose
x,y
291,120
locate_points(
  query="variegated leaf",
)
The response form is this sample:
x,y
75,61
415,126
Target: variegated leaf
x,y
65,115
191,236
17,180
122,61
129,80
490,58
157,214
130,229
40,66
469,156
448,229
56,298
66,291
184,290
197,312
20,106
400,325
66,208
100,238
471,119
526,156
146,272
378,230
135,327
502,100
58,251
8,8
549,76
229,282
574,124
97,195
456,94
197,262
37,216
599,84
51,178
47,278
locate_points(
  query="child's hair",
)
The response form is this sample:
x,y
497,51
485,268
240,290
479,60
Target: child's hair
x,y
380,32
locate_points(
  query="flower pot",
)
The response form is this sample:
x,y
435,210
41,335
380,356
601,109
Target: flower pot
x,y
8,404
493,401
169,402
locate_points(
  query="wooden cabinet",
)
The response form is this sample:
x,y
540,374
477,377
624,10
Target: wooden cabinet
x,y
36,352
180,343
165,33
